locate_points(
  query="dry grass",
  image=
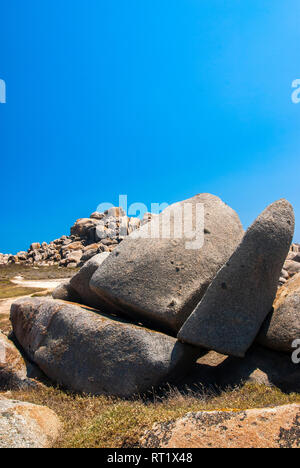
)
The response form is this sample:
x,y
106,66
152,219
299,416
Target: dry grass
x,y
98,422
5,324
9,289
34,273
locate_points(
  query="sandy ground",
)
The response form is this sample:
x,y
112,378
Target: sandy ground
x,y
43,284
6,303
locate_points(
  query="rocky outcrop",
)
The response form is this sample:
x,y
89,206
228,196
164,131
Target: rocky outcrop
x,y
282,326
240,297
90,352
102,232
256,428
23,425
291,265
158,278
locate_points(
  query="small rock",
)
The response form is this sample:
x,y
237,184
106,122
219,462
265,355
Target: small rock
x,y
292,267
115,212
97,215
35,246
23,425
82,226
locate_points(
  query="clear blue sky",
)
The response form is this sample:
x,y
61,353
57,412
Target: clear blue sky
x,y
156,99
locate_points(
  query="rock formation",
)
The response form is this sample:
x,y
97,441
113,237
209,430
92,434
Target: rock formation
x,y
160,280
92,338
240,297
102,232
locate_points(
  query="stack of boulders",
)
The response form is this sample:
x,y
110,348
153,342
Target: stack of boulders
x,y
4,259
292,264
101,232
142,314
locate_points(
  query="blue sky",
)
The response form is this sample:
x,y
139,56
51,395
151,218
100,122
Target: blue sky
x,y
156,99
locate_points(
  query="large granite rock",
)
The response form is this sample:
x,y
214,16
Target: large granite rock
x,y
235,305
158,276
23,425
92,353
282,326
257,428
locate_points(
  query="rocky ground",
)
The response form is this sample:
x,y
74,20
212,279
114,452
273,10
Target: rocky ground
x,y
136,311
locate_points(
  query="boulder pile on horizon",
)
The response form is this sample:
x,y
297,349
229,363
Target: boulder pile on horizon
x,y
101,232
141,315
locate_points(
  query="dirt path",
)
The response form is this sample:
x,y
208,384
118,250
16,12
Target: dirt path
x,y
43,284
5,304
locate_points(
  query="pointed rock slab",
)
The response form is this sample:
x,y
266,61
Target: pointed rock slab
x,y
89,352
156,275
235,305
256,428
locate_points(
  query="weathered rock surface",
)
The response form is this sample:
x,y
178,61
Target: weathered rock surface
x,y
257,428
23,425
292,267
235,305
81,281
282,326
65,292
92,353
159,280
13,372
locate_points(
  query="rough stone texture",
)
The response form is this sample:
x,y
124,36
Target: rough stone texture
x,y
159,280
13,372
80,281
257,428
65,292
92,353
260,366
292,267
235,305
282,326
23,425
